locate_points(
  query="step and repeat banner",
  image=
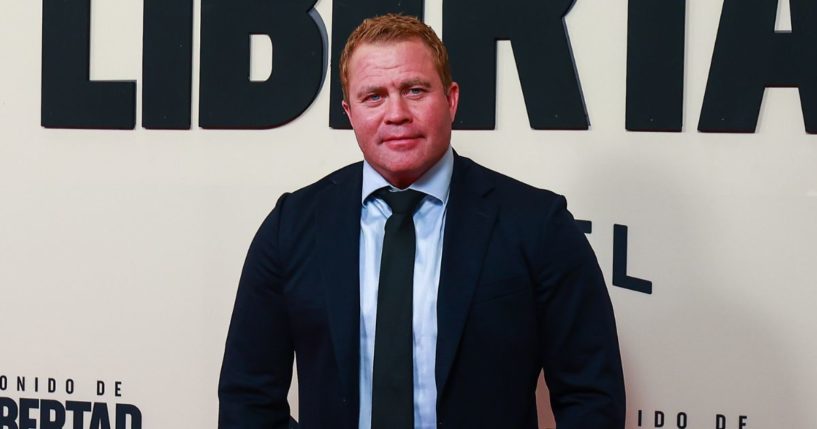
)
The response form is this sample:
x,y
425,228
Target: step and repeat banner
x,y
143,142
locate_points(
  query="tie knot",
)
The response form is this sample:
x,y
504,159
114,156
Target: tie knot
x,y
401,202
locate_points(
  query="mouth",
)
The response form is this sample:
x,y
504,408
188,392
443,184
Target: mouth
x,y
400,140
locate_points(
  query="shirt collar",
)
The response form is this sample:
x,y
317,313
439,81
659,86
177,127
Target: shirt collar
x,y
435,182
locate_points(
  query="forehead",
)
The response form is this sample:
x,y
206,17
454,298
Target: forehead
x,y
369,60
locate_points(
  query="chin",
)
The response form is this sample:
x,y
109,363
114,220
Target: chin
x,y
402,174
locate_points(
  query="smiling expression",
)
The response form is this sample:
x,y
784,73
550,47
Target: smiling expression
x,y
400,111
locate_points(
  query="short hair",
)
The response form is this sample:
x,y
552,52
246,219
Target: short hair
x,y
394,27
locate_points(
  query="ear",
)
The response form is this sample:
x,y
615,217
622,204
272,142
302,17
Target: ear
x,y
453,96
347,108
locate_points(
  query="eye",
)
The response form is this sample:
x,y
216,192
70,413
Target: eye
x,y
416,90
373,97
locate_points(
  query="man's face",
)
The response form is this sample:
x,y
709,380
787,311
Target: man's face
x,y
399,109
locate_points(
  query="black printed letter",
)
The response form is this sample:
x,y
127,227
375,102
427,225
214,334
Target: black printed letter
x,y
167,60
750,56
8,413
544,60
228,99
46,407
655,65
69,98
123,411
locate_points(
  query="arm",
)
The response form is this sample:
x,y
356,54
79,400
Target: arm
x,y
579,344
257,367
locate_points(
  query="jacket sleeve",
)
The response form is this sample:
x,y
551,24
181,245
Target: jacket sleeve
x,y
578,340
257,368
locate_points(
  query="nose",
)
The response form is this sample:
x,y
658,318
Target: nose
x,y
397,111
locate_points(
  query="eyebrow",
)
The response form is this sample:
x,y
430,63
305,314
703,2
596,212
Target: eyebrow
x,y
415,82
403,85
369,90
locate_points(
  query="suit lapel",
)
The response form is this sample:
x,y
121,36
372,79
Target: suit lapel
x,y
338,244
469,221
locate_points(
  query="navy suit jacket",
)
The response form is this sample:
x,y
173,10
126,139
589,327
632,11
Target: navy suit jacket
x,y
520,291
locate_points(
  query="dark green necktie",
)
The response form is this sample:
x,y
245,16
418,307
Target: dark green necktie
x,y
392,379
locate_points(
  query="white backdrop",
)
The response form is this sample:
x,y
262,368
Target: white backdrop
x,y
120,251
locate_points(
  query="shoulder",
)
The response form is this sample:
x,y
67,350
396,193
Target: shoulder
x,y
538,220
294,211
346,178
539,216
505,190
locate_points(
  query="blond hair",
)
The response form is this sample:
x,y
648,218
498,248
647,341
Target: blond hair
x,y
394,28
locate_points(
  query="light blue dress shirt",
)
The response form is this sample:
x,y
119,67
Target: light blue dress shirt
x,y
429,224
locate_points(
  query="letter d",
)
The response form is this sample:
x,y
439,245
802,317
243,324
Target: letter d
x,y
720,421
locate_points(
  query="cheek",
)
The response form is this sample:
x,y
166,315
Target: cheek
x,y
366,125
437,125
437,117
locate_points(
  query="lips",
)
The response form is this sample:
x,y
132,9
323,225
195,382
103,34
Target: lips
x,y
400,138
401,143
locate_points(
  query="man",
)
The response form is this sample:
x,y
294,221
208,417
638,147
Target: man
x,y
438,311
